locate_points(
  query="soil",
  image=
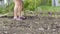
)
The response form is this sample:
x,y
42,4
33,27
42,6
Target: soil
x,y
31,25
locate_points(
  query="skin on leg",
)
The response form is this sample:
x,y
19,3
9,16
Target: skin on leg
x,y
17,3
20,11
15,12
18,8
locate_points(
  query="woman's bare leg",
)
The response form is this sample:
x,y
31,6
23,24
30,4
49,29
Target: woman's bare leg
x,y
15,12
19,11
20,15
18,8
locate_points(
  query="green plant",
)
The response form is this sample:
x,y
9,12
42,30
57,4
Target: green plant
x,y
31,4
6,8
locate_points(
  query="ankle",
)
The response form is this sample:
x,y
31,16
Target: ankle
x,y
15,17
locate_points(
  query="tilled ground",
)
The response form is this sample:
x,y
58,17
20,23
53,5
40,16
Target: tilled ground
x,y
31,25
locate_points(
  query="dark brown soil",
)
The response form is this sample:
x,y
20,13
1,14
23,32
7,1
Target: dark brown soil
x,y
31,25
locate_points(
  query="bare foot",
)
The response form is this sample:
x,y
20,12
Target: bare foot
x,y
19,19
23,18
15,18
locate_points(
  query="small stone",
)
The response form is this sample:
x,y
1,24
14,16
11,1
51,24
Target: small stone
x,y
48,28
27,33
14,33
4,27
36,22
5,32
41,29
54,29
